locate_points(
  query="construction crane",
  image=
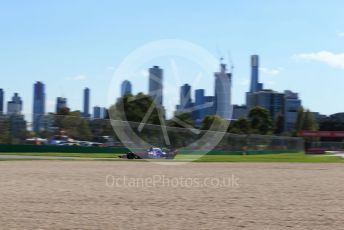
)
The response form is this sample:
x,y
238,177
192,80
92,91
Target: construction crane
x,y
230,62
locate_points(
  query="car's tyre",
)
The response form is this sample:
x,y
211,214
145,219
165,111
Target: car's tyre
x,y
130,156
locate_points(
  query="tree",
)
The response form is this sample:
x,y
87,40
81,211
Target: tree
x,y
135,108
183,120
180,130
299,120
260,120
213,122
5,136
101,127
73,124
309,122
241,126
64,111
331,125
306,121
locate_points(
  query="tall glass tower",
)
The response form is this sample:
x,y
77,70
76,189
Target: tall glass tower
x,y
255,85
254,73
126,88
38,105
185,97
156,84
86,111
198,113
223,88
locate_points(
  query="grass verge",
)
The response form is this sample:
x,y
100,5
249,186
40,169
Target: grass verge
x,y
84,155
287,157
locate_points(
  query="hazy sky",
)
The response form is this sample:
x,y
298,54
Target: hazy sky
x,y
71,44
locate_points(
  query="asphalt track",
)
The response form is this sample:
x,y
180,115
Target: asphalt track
x,y
91,158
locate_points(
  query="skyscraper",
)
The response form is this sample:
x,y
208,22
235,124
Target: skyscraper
x,y
16,105
86,112
126,88
156,84
1,101
255,85
292,104
198,113
99,112
185,99
223,88
254,73
38,105
17,123
61,103
203,106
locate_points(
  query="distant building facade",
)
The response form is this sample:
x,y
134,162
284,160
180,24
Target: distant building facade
x,y
156,84
15,106
292,105
126,88
202,107
198,114
239,111
99,112
271,100
2,98
38,105
185,101
61,103
17,125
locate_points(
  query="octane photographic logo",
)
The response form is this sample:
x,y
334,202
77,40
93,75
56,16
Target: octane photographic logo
x,y
164,94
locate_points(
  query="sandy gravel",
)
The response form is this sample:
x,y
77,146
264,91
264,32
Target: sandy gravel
x,y
84,195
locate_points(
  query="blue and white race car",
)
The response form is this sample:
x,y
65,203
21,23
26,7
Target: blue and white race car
x,y
156,153
151,153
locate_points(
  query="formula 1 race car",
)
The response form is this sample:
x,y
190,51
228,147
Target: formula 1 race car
x,y
151,153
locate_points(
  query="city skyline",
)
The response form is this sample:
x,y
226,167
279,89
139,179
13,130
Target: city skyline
x,y
286,104
220,101
301,48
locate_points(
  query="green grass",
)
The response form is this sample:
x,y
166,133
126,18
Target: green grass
x,y
286,158
281,157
